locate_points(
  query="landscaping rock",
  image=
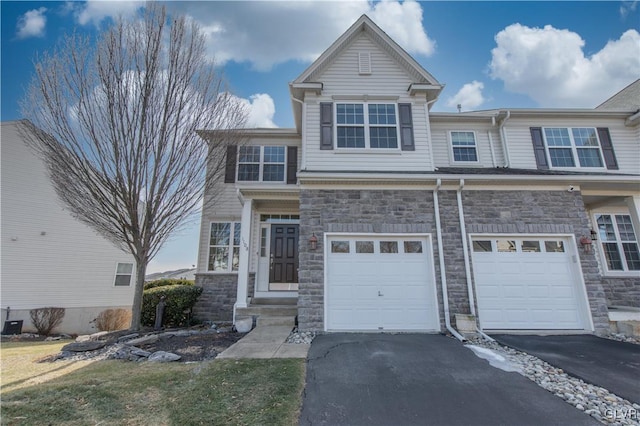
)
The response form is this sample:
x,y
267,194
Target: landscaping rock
x,y
162,356
140,352
144,340
127,337
244,325
83,346
52,338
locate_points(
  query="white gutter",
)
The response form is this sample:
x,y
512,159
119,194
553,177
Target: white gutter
x,y
630,120
303,161
503,136
443,274
467,263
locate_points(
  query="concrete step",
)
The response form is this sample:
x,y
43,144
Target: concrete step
x,y
288,320
267,310
629,328
275,301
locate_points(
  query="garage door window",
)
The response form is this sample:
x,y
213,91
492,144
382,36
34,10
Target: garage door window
x,y
482,246
388,247
506,246
364,247
554,246
531,246
413,246
339,246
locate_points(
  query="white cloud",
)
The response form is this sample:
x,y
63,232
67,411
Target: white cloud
x,y
32,23
468,97
550,66
95,11
628,7
259,108
257,32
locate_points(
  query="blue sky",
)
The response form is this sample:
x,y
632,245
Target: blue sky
x,y
489,54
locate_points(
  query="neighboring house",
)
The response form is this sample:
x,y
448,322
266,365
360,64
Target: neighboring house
x,y
180,274
48,257
376,214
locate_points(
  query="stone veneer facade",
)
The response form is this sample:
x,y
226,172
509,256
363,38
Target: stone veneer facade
x,y
219,292
622,291
412,211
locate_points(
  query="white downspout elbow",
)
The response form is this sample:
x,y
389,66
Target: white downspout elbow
x,y
505,145
443,274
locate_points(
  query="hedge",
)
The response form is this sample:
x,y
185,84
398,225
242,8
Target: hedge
x,y
178,299
165,282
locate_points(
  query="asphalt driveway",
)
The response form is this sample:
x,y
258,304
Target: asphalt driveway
x,y
610,364
411,379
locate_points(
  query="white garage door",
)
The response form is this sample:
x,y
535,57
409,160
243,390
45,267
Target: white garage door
x,y
380,283
527,283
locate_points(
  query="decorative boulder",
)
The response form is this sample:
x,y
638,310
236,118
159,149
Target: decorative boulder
x,y
162,356
244,325
83,346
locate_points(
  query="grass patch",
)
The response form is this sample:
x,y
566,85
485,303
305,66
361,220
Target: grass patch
x,y
229,392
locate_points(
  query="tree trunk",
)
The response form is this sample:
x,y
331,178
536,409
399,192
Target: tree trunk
x,y
136,308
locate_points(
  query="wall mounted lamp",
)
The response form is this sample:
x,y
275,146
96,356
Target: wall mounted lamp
x,y
313,242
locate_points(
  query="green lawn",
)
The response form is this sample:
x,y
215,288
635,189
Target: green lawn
x,y
220,392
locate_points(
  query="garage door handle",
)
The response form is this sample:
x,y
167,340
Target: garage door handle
x,y
380,293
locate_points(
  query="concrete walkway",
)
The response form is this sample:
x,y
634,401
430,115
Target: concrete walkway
x,y
266,341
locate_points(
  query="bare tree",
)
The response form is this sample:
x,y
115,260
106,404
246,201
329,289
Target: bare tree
x,y
115,121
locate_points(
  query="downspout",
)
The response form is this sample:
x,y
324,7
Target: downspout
x,y
443,274
433,165
493,154
303,126
467,263
503,136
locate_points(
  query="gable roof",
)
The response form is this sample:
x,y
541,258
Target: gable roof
x,y
626,99
366,25
423,81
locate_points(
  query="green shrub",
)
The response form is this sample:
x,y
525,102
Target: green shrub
x,y
179,300
163,282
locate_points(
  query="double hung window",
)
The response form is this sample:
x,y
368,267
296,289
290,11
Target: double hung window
x,y
224,247
619,242
261,163
463,145
573,147
366,125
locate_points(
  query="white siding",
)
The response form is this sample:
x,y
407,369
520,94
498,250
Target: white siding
x,y
625,140
48,257
389,82
443,154
227,206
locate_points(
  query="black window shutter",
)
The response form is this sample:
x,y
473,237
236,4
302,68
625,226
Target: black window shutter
x,y
406,128
607,148
230,168
326,125
538,148
292,164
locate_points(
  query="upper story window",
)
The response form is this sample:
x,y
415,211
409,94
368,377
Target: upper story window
x,y
366,125
573,147
224,247
261,163
619,243
124,273
463,145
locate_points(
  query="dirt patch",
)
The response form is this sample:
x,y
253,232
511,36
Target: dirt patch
x,y
198,347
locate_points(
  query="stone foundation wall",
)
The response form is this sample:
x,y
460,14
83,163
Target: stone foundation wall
x,y
622,291
218,296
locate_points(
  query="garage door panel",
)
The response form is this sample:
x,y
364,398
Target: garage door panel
x,y
382,291
527,290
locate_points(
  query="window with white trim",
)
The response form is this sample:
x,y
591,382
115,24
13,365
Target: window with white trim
x,y
463,145
618,242
124,273
224,247
261,163
573,147
366,125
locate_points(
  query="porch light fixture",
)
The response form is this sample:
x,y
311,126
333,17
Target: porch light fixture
x,y
594,235
313,242
586,243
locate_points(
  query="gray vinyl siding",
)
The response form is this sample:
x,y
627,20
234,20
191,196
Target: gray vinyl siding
x,y
625,140
48,257
389,82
